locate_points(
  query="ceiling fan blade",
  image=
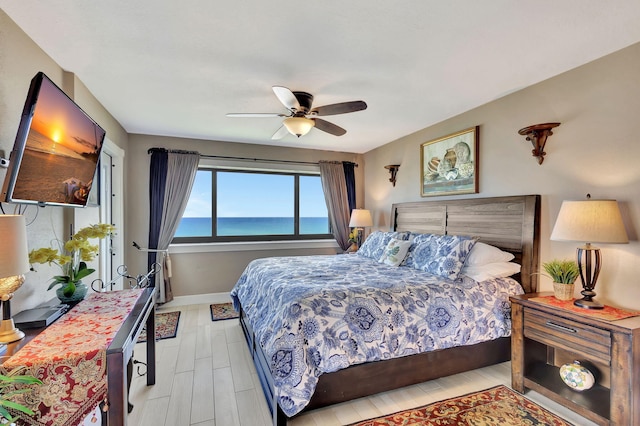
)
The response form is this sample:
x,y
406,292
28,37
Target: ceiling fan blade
x,y
340,108
287,98
280,133
331,128
255,115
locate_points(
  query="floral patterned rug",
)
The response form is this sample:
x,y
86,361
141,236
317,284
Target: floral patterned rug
x,y
166,326
223,311
496,406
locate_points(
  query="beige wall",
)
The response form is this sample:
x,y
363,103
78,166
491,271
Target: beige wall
x,y
214,272
20,60
595,150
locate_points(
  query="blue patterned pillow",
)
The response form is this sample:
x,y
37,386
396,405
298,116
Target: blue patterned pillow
x,y
375,244
416,240
419,236
442,255
371,244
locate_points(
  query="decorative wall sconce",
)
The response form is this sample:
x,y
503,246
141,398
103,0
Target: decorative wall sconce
x,y
393,169
538,134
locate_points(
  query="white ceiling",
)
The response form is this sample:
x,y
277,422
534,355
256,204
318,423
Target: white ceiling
x,y
169,67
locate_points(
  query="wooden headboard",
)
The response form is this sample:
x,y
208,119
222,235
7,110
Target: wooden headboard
x,y
510,223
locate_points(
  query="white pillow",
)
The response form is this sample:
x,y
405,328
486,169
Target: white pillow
x,y
395,252
491,270
482,253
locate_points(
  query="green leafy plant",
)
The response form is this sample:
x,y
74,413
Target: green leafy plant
x,y
8,390
72,255
562,271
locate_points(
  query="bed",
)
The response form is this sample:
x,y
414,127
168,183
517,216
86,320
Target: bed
x,y
398,358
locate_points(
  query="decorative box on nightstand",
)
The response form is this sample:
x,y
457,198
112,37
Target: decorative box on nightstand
x,y
544,337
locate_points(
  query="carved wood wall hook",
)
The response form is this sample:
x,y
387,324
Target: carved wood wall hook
x,y
538,134
393,169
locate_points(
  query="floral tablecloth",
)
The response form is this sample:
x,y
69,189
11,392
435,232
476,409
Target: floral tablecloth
x,y
608,313
70,359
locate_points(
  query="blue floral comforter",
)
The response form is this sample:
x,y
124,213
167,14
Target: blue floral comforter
x,y
319,314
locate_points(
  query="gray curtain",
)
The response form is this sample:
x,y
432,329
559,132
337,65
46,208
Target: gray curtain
x,y
181,172
334,187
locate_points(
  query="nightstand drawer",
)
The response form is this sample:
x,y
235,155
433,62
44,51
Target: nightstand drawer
x,y
560,332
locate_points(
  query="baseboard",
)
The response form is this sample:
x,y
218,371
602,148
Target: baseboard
x,y
198,299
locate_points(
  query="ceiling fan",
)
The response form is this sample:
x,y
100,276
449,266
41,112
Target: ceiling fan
x,y
301,117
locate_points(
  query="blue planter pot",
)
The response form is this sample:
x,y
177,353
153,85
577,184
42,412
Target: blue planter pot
x,y
77,296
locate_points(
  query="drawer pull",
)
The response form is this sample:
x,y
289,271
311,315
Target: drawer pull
x,y
561,327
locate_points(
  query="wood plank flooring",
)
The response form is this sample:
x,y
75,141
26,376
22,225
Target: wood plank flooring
x,y
206,378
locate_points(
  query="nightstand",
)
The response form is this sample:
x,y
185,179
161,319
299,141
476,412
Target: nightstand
x,y
545,337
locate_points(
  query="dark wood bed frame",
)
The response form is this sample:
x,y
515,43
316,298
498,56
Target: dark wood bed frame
x,y
510,223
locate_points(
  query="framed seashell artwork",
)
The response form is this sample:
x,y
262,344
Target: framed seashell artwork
x,y
449,165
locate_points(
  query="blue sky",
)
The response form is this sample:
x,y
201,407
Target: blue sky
x,y
255,195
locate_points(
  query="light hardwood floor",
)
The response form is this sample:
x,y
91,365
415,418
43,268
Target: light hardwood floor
x,y
206,378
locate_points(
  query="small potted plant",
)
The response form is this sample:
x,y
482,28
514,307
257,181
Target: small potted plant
x,y
71,256
564,274
353,239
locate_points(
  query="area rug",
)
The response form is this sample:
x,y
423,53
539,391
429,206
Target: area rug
x,y
166,326
496,406
223,311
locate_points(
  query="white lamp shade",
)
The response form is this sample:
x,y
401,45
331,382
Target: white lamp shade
x,y
14,254
360,218
298,126
591,221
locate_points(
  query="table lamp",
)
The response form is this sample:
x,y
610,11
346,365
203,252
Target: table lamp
x,y
360,219
590,221
14,263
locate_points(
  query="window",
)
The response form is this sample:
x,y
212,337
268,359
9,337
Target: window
x,y
245,205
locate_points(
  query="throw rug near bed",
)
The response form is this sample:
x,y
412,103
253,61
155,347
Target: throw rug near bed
x,y
223,311
166,326
496,406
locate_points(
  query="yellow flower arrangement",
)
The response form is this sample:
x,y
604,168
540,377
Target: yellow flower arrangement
x,y
353,236
72,255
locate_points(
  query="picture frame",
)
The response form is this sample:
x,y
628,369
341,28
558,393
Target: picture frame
x,y
449,165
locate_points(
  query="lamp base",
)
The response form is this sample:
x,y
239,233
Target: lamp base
x,y
8,332
588,304
589,260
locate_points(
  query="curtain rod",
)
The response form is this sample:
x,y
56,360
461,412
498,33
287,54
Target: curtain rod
x,y
151,150
171,151
270,161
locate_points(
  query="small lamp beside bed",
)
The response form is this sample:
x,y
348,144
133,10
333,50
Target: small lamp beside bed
x,y
360,219
590,221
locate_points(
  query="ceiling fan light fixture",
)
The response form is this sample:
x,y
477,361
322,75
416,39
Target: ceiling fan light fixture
x,y
298,126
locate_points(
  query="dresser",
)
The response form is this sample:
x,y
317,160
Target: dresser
x,y
545,337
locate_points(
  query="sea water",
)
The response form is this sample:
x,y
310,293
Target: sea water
x,y
233,226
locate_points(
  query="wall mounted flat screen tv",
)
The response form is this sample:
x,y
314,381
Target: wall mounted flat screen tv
x,y
56,151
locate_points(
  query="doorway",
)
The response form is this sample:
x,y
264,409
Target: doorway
x,y
109,209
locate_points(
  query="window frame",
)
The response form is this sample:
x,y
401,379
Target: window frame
x,y
296,236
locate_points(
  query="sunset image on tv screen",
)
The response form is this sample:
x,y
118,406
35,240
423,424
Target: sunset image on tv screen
x,y
63,145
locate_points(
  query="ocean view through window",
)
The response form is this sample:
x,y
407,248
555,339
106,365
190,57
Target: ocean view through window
x,y
242,205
